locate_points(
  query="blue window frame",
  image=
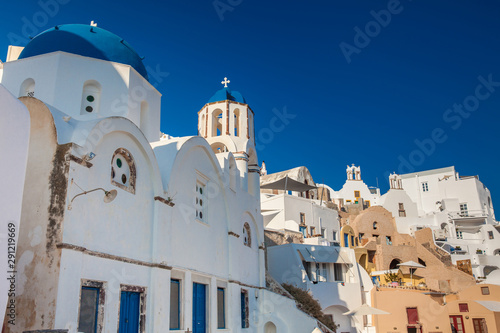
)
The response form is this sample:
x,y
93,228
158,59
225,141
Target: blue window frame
x,y
221,308
175,304
245,323
303,230
346,240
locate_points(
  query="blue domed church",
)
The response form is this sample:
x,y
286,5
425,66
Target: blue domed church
x,y
117,227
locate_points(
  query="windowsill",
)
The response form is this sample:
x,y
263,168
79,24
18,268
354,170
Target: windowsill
x,y
201,222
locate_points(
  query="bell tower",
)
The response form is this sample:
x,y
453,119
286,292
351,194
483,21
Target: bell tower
x,y
226,114
226,121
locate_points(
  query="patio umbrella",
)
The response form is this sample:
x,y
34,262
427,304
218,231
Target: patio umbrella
x,y
365,310
411,264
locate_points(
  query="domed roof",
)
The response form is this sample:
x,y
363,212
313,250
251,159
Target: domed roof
x,y
227,94
85,40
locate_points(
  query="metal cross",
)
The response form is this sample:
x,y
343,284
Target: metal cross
x,y
225,82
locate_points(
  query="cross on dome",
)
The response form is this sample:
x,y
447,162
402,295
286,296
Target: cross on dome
x,y
225,82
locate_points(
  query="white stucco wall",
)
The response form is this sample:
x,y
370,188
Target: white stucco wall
x,y
59,79
350,186
289,209
14,140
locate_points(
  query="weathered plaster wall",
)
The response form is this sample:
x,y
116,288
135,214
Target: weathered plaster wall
x,y
37,258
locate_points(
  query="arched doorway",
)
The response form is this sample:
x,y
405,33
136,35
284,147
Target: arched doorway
x,y
394,264
270,327
363,260
336,313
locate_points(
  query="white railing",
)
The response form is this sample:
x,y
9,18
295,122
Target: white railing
x,y
468,213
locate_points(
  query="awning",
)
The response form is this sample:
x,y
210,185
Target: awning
x,y
287,184
392,271
365,310
326,254
490,305
411,264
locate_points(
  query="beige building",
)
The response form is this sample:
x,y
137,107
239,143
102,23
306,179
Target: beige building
x,y
381,247
473,310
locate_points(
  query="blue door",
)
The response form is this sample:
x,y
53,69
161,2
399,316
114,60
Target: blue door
x,y
199,310
346,240
129,312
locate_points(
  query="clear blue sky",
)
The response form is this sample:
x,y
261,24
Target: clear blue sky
x,y
396,88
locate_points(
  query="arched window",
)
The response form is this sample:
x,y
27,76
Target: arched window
x,y
270,327
27,88
123,172
219,147
247,238
237,122
394,264
91,97
375,225
217,122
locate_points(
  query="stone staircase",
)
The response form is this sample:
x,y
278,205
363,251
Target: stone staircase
x,y
441,254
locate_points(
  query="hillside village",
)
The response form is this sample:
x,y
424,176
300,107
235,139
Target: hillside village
x,y
118,227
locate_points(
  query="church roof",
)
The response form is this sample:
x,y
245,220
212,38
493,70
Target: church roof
x,y
227,94
85,40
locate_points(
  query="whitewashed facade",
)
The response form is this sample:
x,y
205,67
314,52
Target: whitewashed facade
x,y
458,209
177,244
355,191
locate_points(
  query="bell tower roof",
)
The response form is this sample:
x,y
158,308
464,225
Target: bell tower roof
x,y
226,94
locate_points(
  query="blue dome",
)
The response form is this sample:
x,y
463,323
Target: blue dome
x,y
227,94
86,41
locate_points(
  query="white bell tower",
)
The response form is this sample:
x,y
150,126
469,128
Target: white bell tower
x,y
226,114
227,123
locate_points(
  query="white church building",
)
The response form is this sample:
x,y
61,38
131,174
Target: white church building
x,y
354,192
119,230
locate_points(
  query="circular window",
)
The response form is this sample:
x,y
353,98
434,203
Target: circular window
x,y
90,98
123,171
89,109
